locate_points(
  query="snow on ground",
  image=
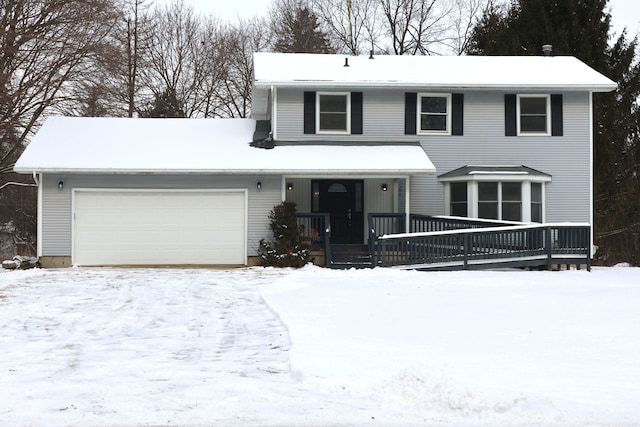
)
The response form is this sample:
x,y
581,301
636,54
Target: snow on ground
x,y
319,347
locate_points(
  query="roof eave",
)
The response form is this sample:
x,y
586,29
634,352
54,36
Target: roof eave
x,y
362,172
266,84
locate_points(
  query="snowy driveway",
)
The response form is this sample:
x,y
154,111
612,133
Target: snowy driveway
x,y
111,346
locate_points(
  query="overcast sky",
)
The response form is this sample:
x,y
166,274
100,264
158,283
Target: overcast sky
x,y
623,12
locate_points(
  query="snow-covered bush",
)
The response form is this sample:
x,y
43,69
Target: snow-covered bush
x,y
287,249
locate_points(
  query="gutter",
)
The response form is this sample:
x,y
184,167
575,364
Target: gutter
x,y
605,87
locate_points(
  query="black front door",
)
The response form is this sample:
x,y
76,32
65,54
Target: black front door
x,y
343,200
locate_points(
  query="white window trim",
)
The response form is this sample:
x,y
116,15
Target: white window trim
x,y
548,121
333,132
419,112
473,194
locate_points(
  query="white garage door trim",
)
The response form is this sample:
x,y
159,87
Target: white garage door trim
x,y
192,245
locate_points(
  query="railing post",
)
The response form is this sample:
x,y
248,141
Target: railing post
x,y
549,247
588,240
465,244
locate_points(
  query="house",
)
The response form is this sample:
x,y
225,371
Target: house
x,y
505,138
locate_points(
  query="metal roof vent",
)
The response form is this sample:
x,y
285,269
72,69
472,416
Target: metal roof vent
x,y
547,49
346,62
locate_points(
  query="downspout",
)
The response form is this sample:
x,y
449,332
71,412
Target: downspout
x,y
38,180
591,204
273,112
407,204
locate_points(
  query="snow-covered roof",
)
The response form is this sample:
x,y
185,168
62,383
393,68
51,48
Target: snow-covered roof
x,y
429,72
122,145
477,171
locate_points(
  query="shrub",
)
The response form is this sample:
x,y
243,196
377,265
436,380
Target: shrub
x,y
287,248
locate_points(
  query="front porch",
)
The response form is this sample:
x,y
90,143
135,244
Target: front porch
x,y
451,243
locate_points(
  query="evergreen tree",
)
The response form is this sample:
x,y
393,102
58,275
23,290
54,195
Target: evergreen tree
x,y
287,248
165,105
581,28
298,31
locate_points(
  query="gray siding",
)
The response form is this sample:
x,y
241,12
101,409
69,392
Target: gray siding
x,y
56,204
259,104
566,158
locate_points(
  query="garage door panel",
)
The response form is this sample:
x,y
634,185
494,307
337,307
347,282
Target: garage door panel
x,y
140,227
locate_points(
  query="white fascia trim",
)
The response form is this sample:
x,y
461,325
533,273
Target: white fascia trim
x,y
354,85
397,172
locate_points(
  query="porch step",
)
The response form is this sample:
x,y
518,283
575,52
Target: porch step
x,y
350,256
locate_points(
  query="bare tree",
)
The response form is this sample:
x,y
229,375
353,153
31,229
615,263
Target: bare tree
x,y
241,41
136,24
187,58
45,45
352,24
173,55
415,26
464,16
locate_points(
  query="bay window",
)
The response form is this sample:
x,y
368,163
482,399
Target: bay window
x,y
506,193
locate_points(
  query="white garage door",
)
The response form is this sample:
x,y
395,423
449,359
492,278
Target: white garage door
x,y
159,227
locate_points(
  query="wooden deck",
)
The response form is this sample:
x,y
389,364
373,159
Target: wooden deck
x,y
482,245
447,243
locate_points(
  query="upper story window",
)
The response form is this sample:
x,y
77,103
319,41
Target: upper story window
x,y
434,113
333,113
534,116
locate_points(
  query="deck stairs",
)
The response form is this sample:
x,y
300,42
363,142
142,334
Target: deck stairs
x,y
344,256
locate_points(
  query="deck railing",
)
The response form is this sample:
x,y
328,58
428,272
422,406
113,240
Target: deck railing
x,y
519,245
317,231
427,223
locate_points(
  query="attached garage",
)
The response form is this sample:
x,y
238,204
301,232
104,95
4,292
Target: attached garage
x,y
159,227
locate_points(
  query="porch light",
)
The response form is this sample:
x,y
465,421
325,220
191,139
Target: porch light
x,y
289,186
384,187
60,184
259,185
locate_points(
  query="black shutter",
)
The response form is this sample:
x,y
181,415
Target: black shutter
x,y
556,115
356,113
309,112
457,114
410,113
510,115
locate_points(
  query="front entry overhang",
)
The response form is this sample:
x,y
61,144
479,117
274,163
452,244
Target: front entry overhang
x,y
343,160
